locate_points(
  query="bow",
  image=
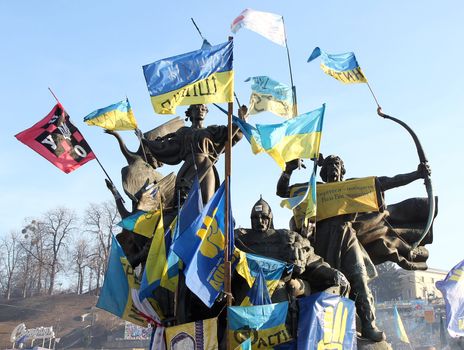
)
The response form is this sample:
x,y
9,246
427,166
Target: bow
x,y
427,179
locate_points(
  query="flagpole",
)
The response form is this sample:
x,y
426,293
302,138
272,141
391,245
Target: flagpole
x,y
295,106
228,168
96,158
372,92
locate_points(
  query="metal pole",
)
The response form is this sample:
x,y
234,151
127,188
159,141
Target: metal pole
x,y
295,106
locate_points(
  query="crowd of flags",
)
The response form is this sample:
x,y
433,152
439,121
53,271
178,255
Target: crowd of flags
x,y
195,241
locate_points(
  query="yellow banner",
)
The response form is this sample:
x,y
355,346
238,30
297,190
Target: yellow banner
x,y
347,197
218,87
200,335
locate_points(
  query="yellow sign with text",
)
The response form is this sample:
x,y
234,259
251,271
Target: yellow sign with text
x,y
347,197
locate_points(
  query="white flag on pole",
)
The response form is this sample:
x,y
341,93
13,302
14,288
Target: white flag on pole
x,y
269,25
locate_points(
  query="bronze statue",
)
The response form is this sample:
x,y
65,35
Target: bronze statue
x,y
198,147
310,272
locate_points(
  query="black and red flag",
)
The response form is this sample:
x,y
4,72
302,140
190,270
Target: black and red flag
x,y
56,139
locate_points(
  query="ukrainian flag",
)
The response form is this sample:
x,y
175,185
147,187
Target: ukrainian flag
x,y
299,137
115,295
201,76
118,116
156,265
250,265
264,324
400,331
141,222
344,67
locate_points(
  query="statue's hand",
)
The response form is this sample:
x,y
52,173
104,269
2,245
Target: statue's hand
x,y
113,189
138,133
424,170
294,164
243,112
343,283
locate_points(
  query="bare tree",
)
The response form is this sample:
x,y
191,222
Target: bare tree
x,y
58,225
81,255
101,222
11,250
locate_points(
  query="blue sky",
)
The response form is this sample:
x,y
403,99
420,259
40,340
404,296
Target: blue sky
x,y
91,53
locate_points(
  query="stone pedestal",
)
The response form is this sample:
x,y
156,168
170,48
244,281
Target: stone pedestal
x,y
366,344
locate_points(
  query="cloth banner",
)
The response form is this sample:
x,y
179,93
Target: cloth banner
x,y
201,76
344,67
118,116
270,95
116,293
263,324
57,140
452,288
326,321
199,335
267,24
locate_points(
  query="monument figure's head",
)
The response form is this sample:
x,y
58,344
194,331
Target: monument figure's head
x,y
196,113
261,216
332,169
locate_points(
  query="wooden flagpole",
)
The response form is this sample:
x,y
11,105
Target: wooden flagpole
x,y
228,170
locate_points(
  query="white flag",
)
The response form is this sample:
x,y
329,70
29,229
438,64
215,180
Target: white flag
x,y
269,25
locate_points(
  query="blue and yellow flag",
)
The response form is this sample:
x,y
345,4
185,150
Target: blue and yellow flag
x,y
342,67
201,76
199,335
259,294
250,265
270,95
115,295
452,289
118,116
326,321
141,222
156,265
201,248
263,324
303,200
187,214
299,137
400,331
246,345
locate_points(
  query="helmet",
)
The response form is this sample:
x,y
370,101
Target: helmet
x,y
261,207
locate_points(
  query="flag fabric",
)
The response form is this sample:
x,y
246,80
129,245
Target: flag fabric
x,y
57,140
199,335
250,265
270,95
187,214
116,293
259,294
269,25
156,264
118,116
263,324
298,137
400,331
452,288
326,321
201,76
141,222
201,248
246,345
344,67
303,200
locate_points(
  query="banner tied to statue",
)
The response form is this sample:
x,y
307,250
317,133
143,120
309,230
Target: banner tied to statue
x,y
57,140
326,321
201,76
199,335
344,67
263,324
